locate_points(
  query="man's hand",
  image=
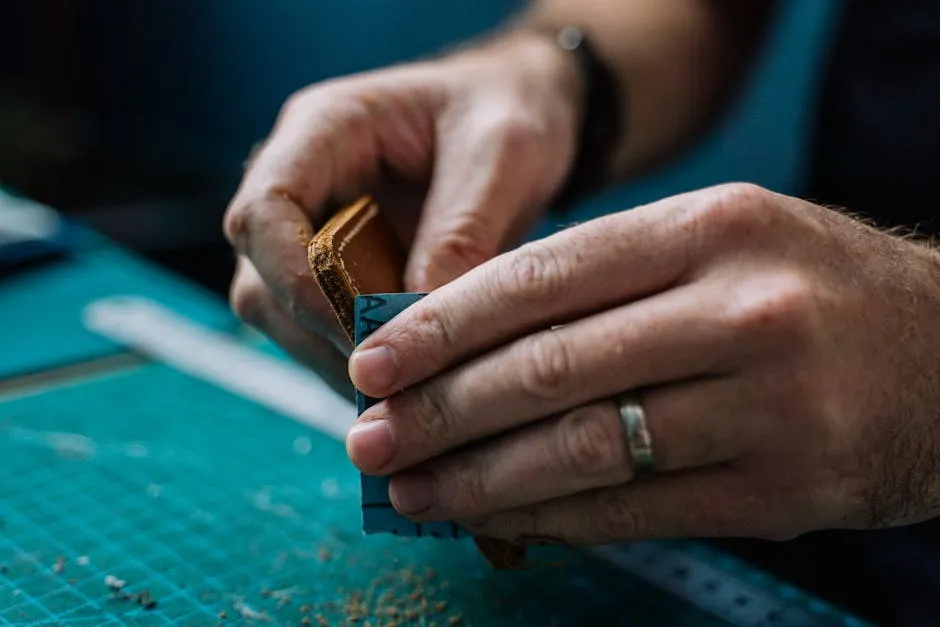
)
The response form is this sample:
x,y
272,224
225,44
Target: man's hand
x,y
787,358
463,152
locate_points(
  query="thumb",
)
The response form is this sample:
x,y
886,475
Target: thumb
x,y
481,190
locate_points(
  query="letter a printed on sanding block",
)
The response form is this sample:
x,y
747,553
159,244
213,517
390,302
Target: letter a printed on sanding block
x,y
378,514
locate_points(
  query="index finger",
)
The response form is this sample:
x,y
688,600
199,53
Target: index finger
x,y
286,184
274,235
300,160
564,277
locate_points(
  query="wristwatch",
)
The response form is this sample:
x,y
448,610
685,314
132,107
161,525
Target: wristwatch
x,y
602,120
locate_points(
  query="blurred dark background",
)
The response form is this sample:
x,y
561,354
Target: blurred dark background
x,y
137,116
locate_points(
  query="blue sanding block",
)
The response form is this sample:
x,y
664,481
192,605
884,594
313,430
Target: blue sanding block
x,y
378,514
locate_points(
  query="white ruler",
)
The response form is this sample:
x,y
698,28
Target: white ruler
x,y
157,332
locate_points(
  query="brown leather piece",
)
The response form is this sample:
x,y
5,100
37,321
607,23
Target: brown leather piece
x,y
355,253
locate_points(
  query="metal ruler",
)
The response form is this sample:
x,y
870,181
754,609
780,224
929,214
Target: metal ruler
x,y
715,590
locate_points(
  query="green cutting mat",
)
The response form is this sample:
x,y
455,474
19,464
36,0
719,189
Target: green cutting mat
x,y
200,498
219,509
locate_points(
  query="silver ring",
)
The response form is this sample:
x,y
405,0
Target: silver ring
x,y
636,433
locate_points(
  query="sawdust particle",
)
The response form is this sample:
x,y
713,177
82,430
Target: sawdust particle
x,y
113,583
146,601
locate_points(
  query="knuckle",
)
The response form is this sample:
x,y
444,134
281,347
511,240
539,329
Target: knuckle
x,y
534,274
431,415
741,196
732,212
468,243
516,133
546,368
247,216
248,301
296,102
620,518
235,223
429,328
590,444
738,204
707,512
781,307
471,496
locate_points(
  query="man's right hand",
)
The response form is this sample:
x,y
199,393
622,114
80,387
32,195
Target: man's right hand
x,y
461,152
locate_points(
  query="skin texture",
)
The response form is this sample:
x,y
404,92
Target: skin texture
x,y
463,151
785,355
433,141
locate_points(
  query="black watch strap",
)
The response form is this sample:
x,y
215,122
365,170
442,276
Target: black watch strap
x,y
602,120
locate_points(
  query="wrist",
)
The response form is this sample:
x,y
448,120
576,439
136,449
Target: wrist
x,y
546,64
602,119
534,62
571,72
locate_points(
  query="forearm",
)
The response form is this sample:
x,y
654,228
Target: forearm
x,y
677,60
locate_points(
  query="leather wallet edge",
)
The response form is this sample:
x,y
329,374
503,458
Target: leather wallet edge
x,y
328,268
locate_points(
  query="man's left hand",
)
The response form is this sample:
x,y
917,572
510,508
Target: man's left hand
x,y
786,356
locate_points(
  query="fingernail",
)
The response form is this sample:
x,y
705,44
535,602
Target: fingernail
x,y
373,370
412,493
370,444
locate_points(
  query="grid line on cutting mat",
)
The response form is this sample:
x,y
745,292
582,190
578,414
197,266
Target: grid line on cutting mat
x,y
207,500
130,563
